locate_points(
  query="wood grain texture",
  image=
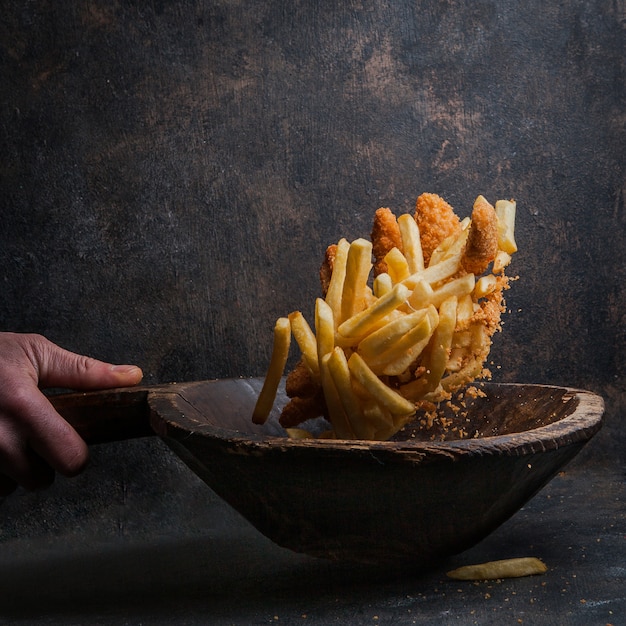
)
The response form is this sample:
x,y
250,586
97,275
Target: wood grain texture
x,y
172,172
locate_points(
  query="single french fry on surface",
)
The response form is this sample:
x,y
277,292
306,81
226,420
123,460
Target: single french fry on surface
x,y
306,340
358,267
411,242
363,322
505,568
505,212
337,278
280,352
387,397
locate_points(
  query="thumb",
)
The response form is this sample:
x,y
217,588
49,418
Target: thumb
x,y
62,368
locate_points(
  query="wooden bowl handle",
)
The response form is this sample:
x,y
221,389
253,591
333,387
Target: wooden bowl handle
x,y
109,415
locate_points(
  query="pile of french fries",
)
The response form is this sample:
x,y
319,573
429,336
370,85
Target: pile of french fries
x,y
384,346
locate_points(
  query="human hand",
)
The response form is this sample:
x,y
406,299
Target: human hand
x,y
35,441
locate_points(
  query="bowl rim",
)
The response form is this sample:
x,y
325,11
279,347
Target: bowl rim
x,y
579,426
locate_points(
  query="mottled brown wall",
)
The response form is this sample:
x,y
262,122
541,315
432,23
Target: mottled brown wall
x,y
172,171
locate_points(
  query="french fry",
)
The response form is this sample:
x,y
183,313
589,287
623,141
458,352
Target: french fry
x,y
441,342
337,278
280,353
485,285
324,328
411,243
358,267
360,324
336,411
306,340
421,296
387,397
382,285
387,336
397,265
458,288
435,273
505,568
396,359
340,373
505,212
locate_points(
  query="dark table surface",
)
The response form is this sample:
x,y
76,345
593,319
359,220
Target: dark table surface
x,y
111,551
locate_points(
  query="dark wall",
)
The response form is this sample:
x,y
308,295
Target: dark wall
x,y
171,172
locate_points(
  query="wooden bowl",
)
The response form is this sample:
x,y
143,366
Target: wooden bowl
x,y
411,500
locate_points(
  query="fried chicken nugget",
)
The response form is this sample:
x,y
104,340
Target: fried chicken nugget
x,y
326,270
436,220
306,397
385,236
482,242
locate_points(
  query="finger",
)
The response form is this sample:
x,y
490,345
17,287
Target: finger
x,y
19,464
34,425
62,368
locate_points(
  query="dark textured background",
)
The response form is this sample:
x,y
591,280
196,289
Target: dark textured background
x,y
171,173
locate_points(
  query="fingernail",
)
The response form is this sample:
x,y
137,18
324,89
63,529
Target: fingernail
x,y
128,370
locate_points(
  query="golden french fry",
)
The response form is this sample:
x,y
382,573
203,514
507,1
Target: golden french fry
x,y
435,273
501,261
337,278
280,352
387,397
324,328
505,568
457,288
382,285
362,323
340,372
405,350
411,242
450,247
336,412
485,285
381,340
305,338
464,308
397,265
439,350
358,267
421,296
505,212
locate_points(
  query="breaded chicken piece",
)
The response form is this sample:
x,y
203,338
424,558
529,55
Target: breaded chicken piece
x,y
299,381
326,270
482,242
385,236
436,220
299,410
